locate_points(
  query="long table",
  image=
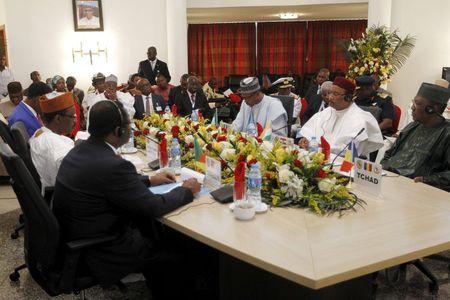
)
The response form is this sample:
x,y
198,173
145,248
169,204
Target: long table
x,y
409,221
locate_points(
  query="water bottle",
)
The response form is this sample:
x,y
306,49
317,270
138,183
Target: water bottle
x,y
175,156
194,116
313,145
251,129
254,182
167,110
129,146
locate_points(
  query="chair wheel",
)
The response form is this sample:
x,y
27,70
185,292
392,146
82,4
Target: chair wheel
x,y
433,288
14,235
14,277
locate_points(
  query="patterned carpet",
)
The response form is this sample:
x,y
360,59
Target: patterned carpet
x,y
415,285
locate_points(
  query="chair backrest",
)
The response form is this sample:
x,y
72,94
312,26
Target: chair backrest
x,y
41,227
288,104
6,135
21,137
374,110
234,81
396,122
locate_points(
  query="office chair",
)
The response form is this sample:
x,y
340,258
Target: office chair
x,y
288,104
51,262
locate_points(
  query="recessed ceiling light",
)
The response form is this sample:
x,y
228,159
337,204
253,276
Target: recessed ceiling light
x,y
288,16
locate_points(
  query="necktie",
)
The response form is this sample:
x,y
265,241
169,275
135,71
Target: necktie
x,y
148,106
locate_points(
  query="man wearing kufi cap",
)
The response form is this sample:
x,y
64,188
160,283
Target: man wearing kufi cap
x,y
92,95
342,121
258,108
48,145
369,100
422,150
111,93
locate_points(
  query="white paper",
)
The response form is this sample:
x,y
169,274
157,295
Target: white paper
x,y
213,177
188,173
228,92
152,150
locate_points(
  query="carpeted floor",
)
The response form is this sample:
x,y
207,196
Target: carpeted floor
x,y
414,287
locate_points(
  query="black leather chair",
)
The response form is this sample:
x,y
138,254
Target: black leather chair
x,y
5,134
233,82
288,104
52,263
21,137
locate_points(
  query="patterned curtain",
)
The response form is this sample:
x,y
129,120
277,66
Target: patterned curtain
x,y
221,49
323,49
281,47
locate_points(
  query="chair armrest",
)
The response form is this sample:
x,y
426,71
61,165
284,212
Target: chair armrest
x,y
88,243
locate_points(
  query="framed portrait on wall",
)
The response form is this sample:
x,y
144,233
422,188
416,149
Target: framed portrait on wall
x,y
87,15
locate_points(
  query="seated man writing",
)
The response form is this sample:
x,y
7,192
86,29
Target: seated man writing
x,y
422,150
48,145
259,108
342,121
98,193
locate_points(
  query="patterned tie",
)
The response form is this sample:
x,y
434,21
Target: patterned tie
x,y
147,106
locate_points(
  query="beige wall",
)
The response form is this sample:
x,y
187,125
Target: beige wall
x,y
429,21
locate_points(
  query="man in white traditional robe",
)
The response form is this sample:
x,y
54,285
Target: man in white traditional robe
x,y
259,108
342,121
48,145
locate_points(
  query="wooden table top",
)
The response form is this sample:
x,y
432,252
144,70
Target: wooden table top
x,y
410,220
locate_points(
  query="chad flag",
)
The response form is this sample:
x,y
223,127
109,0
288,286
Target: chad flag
x,y
349,157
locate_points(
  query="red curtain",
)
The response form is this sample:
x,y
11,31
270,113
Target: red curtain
x,y
323,50
221,49
281,47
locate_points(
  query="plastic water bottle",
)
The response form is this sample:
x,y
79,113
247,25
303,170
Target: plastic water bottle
x,y
129,146
254,182
251,129
175,156
194,116
313,145
167,109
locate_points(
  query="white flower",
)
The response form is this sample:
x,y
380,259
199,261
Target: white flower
x,y
356,69
189,139
153,131
371,63
228,154
225,145
327,185
145,125
266,146
285,175
232,138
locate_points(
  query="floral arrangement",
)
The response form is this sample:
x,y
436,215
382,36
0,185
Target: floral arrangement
x,y
379,51
291,176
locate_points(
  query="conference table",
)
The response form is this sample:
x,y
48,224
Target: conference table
x,y
291,251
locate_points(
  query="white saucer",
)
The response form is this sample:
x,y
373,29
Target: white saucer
x,y
263,207
129,150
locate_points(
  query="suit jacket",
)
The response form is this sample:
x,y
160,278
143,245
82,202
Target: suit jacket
x,y
145,70
98,193
184,104
173,93
22,113
139,105
312,91
313,108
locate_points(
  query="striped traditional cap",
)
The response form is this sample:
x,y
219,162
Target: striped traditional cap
x,y
249,85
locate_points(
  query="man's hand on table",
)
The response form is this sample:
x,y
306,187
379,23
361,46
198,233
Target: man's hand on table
x,y
193,185
303,143
162,178
418,179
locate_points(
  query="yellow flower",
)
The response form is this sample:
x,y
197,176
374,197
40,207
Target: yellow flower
x,y
249,157
280,155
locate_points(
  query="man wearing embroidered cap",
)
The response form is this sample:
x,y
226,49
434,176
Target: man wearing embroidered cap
x,y
342,121
422,150
92,95
111,93
48,145
259,109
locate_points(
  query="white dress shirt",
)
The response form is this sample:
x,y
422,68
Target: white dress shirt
x,y
48,149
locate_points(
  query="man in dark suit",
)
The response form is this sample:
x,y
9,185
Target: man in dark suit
x,y
314,89
148,102
98,193
152,66
319,102
193,99
182,88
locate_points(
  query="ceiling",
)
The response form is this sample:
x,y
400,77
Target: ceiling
x,y
270,13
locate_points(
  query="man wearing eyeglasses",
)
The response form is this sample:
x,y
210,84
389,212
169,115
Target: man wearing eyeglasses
x,y
48,145
342,121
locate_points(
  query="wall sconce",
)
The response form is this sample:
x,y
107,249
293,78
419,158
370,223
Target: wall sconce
x,y
91,53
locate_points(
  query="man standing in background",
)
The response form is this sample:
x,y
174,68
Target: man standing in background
x,y
152,66
6,76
